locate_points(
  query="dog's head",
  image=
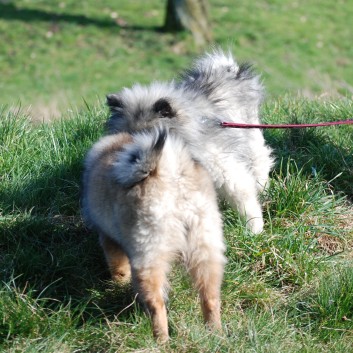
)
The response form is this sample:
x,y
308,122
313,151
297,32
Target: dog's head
x,y
138,108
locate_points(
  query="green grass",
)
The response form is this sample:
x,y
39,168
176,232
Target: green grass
x,y
56,53
288,289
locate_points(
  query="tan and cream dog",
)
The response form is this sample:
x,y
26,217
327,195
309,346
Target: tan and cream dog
x,y
151,203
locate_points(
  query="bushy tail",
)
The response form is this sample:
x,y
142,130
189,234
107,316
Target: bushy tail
x,y
214,62
140,158
217,68
222,81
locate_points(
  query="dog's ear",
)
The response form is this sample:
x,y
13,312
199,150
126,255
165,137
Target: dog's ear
x,y
163,108
114,102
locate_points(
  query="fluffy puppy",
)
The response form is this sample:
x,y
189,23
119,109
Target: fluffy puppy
x,y
151,202
215,89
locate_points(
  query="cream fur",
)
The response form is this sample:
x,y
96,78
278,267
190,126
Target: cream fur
x,y
171,213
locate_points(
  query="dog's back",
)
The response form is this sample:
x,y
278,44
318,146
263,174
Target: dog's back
x,y
233,88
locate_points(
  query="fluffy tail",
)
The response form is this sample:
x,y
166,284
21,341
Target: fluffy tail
x,y
140,158
222,81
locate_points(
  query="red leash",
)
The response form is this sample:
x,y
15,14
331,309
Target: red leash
x,y
284,126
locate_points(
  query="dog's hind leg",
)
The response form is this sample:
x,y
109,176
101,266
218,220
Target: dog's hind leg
x,y
117,260
207,277
241,191
205,262
262,160
249,208
151,284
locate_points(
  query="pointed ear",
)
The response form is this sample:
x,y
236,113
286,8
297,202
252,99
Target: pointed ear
x,y
114,102
163,108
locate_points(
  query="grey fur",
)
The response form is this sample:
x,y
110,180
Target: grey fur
x,y
214,89
138,160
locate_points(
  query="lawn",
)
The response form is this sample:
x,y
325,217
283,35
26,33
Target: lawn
x,y
57,54
289,289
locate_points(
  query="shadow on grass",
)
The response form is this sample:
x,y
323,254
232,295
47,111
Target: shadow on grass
x,y
55,191
11,12
60,259
315,153
47,249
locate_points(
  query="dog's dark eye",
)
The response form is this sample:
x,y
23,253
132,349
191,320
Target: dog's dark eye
x,y
163,108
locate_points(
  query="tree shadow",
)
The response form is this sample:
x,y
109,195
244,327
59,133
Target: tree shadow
x,y
10,12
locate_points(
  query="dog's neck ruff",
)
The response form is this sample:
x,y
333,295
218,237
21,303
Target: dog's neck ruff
x,y
284,126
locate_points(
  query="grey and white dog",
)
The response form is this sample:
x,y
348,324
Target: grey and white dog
x,y
214,89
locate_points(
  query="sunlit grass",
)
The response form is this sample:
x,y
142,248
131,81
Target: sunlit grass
x,y
287,289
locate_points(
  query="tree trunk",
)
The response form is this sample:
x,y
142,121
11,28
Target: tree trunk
x,y
189,15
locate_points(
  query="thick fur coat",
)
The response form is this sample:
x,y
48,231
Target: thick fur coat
x,y
215,89
151,202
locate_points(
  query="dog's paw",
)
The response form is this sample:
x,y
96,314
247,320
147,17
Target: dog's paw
x,y
121,277
255,225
